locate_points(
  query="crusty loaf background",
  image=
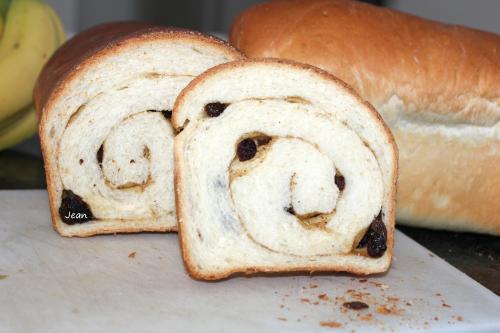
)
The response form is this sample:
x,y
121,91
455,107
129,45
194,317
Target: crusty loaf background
x,y
436,85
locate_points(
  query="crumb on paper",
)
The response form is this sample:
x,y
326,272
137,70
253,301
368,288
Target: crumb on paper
x,y
380,285
131,255
305,300
387,310
366,317
323,297
3,277
362,280
460,318
446,305
431,255
312,286
282,318
332,324
355,305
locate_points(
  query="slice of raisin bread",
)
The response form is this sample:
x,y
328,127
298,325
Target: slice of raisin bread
x,y
281,167
105,101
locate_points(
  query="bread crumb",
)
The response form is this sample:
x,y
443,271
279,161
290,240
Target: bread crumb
x,y
460,318
282,319
323,297
332,324
131,255
355,305
446,305
385,310
305,300
312,286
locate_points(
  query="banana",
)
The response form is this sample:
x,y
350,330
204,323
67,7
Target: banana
x,y
3,8
1,26
30,37
4,5
23,127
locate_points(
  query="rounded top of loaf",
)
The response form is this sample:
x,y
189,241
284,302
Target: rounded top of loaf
x,y
90,45
388,56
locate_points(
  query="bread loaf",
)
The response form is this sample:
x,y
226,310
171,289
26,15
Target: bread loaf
x,y
281,167
437,86
105,101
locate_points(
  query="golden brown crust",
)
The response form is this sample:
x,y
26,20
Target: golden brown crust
x,y
381,52
75,57
97,41
179,168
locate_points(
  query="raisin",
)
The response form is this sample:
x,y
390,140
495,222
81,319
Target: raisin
x,y
375,238
215,109
378,226
246,150
340,182
290,210
100,154
376,245
167,113
73,209
356,305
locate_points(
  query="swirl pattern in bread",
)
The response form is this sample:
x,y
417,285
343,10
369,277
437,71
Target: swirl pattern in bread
x,y
281,167
105,100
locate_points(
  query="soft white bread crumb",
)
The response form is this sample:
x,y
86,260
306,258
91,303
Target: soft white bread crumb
x,y
234,216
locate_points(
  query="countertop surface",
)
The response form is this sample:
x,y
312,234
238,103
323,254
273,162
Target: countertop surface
x,y
137,283
478,256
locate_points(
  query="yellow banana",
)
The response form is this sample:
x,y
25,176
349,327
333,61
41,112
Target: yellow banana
x,y
4,5
24,127
3,8
1,26
28,41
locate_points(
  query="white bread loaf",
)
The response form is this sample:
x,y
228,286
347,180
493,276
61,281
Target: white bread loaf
x,y
105,101
437,86
281,167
